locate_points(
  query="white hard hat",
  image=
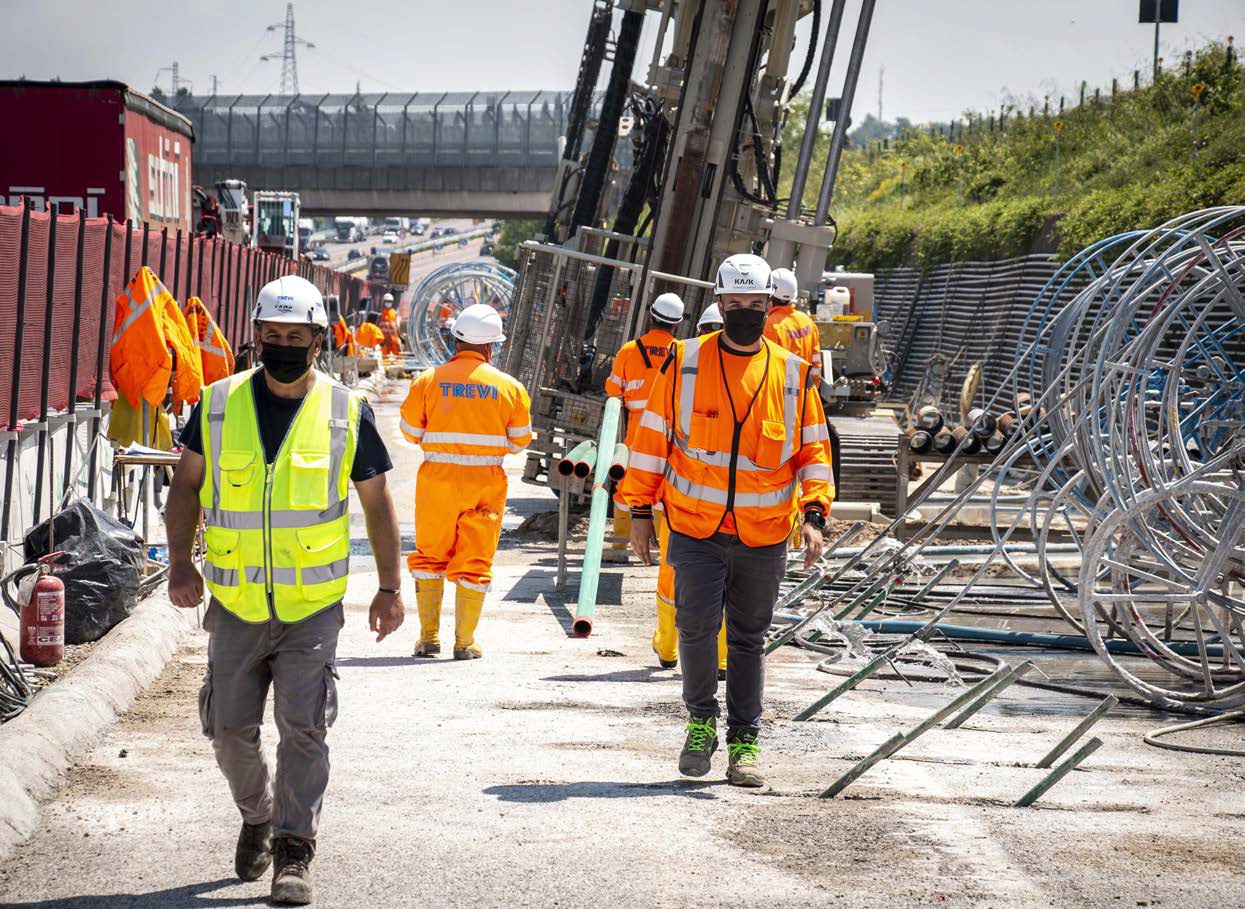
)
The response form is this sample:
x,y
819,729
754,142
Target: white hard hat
x,y
786,288
668,307
711,316
291,299
743,273
387,298
478,324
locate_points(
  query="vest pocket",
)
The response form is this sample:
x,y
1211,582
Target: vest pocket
x,y
323,556
769,444
309,479
237,476
224,564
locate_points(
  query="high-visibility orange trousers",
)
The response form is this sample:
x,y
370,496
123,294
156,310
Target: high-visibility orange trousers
x,y
391,346
666,637
458,513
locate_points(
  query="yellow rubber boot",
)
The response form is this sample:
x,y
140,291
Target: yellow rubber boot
x,y
666,637
722,650
428,594
467,608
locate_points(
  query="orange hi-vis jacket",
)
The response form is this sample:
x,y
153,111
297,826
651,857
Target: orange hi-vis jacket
x,y
343,337
369,335
148,330
466,412
714,470
215,356
795,331
635,366
389,325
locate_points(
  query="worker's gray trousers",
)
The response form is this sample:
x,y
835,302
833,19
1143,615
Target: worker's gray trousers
x,y
707,574
297,660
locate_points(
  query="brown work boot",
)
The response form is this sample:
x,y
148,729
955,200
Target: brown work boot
x,y
254,852
744,768
291,876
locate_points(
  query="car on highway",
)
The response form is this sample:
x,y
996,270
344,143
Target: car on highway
x,y
354,254
486,248
389,236
436,232
462,241
320,254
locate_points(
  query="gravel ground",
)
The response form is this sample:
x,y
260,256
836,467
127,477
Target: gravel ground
x,y
545,774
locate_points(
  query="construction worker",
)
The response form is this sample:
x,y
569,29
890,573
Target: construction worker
x,y
794,330
269,454
635,366
787,326
343,337
710,320
466,415
392,345
733,427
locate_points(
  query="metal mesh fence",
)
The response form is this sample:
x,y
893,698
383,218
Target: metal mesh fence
x,y
224,275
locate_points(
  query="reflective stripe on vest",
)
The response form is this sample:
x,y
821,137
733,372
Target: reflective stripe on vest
x,y
278,535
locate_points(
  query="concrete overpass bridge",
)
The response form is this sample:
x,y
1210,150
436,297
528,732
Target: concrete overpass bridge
x,y
491,154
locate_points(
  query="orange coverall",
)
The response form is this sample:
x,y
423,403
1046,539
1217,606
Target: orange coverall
x,y
466,415
392,345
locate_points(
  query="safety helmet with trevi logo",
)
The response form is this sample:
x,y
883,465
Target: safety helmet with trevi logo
x,y
291,299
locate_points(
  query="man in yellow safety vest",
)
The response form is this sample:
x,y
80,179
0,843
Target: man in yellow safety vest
x,y
269,455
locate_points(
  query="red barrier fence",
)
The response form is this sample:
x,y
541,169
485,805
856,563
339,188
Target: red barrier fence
x,y
223,274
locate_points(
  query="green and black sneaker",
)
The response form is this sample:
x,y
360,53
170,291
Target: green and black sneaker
x,y
745,761
698,748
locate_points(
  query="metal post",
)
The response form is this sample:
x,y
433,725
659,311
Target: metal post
x,y
845,109
142,257
104,295
72,402
45,377
164,250
852,681
199,273
989,694
1079,730
564,509
15,386
1058,773
177,263
899,740
1157,17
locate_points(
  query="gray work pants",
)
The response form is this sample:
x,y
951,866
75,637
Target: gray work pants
x,y
708,573
297,660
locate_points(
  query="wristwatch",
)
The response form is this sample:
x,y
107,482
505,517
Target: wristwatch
x,y
816,518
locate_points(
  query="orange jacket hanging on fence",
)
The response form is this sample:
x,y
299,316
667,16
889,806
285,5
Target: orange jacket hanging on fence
x,y
389,325
214,354
148,330
369,335
343,338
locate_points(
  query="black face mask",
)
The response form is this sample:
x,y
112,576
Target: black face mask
x,y
744,326
285,363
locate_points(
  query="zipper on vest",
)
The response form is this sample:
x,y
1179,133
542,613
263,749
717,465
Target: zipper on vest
x,y
268,569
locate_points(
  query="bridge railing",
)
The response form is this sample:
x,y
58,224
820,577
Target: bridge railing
x,y
394,129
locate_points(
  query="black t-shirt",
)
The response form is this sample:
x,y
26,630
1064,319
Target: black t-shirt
x,y
275,414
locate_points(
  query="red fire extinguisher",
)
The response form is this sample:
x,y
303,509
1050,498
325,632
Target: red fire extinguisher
x,y
43,616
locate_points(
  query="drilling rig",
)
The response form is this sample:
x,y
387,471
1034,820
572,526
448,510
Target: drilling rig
x,y
704,126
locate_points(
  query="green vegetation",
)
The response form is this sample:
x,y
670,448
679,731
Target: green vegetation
x,y
512,234
990,192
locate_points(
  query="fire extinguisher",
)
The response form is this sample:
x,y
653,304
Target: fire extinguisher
x,y
42,641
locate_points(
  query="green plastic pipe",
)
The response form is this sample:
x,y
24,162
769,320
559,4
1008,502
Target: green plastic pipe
x,y
567,465
586,462
590,574
618,463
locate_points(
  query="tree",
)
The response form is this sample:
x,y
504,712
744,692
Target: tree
x,y
513,233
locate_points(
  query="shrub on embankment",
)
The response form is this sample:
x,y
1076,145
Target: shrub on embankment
x,y
988,187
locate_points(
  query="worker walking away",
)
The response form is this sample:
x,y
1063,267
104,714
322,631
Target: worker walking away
x,y
732,429
466,415
392,345
269,455
788,327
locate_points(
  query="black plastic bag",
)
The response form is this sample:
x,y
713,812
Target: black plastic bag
x,y
103,573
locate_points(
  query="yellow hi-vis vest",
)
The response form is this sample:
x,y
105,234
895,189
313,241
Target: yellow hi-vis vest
x,y
278,535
